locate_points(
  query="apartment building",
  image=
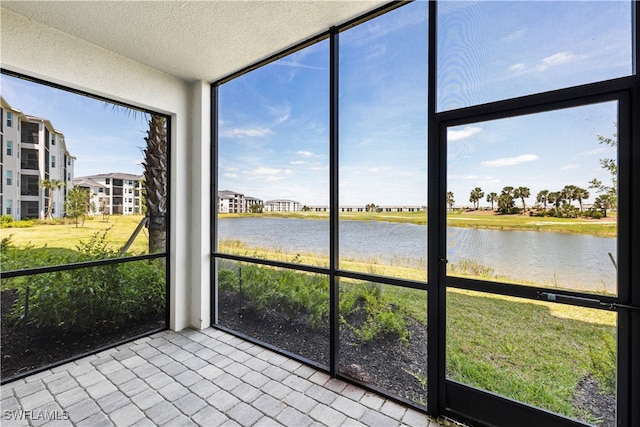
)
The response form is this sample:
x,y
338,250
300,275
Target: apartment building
x,y
32,150
231,202
281,205
113,193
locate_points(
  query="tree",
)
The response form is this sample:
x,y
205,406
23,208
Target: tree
x,y
555,198
610,164
522,193
506,205
450,200
50,185
475,196
581,194
371,207
605,202
492,198
77,203
155,175
543,197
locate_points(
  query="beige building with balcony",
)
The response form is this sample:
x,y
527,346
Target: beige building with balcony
x,y
32,151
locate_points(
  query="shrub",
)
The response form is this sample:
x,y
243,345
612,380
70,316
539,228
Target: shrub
x,y
383,317
88,298
5,220
288,292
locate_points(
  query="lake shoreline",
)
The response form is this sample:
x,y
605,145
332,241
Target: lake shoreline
x,y
481,219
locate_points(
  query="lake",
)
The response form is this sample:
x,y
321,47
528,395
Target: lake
x,y
573,261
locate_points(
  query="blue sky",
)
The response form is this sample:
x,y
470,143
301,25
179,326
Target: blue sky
x,y
274,121
102,139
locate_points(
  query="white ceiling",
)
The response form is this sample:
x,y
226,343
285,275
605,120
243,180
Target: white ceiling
x,y
193,40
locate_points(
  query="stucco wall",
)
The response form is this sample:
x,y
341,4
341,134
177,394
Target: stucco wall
x,y
36,50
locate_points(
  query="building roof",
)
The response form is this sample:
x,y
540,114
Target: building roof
x,y
116,175
87,182
228,193
281,201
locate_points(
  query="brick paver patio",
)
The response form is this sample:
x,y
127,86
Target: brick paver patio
x,y
189,378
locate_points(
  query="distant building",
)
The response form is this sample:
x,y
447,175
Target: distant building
x,y
249,202
231,202
31,150
281,205
114,193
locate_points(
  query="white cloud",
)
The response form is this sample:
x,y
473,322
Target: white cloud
x,y
569,166
230,175
467,132
282,113
509,161
299,162
296,64
559,58
247,132
600,150
264,171
517,67
376,170
515,35
305,153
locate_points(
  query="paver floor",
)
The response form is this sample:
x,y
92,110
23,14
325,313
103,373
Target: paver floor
x,y
195,378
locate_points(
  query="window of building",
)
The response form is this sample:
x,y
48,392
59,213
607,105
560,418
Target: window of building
x,y
9,148
9,207
107,181
9,177
100,190
53,161
9,119
53,139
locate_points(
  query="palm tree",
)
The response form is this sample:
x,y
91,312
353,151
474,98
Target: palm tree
x,y
450,201
555,198
569,192
543,197
475,196
50,185
581,194
155,175
522,193
492,198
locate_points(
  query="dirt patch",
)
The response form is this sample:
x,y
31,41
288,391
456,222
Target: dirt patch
x,y
599,407
24,353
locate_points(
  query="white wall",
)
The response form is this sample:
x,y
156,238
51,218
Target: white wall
x,y
36,50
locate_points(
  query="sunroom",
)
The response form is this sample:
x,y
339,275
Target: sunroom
x,y
433,202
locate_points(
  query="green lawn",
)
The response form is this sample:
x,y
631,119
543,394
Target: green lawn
x,y
68,236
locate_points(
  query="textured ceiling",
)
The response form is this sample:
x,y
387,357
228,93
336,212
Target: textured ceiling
x,y
193,40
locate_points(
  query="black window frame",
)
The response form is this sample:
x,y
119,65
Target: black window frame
x,y
108,261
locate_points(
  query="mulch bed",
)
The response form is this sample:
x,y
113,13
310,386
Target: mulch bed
x,y
43,348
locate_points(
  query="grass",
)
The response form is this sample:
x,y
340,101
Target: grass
x,y
531,351
67,236
462,218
